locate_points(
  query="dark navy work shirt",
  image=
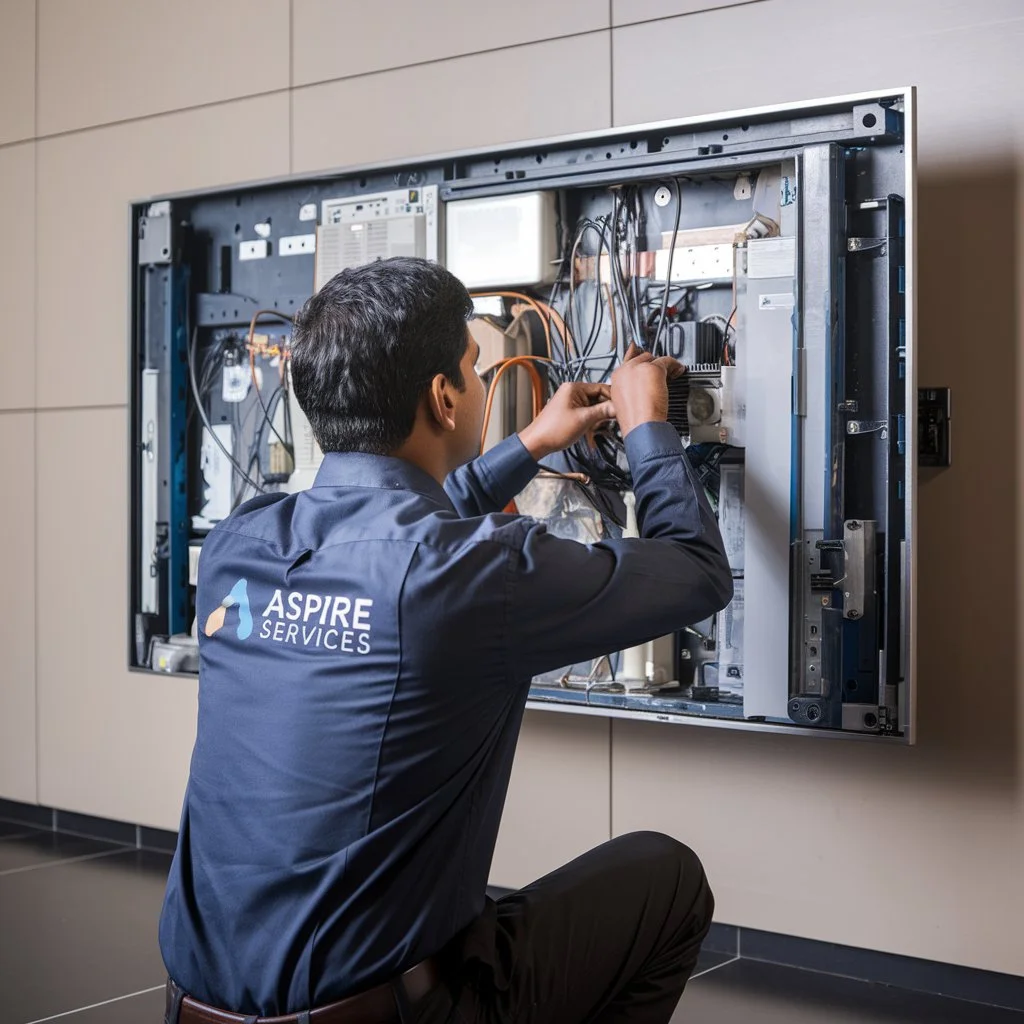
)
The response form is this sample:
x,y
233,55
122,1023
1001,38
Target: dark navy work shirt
x,y
366,654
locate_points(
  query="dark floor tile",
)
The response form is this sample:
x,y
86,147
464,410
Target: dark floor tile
x,y
36,849
31,814
749,991
145,1008
80,933
711,959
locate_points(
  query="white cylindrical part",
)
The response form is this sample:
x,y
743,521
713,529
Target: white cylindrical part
x,y
634,660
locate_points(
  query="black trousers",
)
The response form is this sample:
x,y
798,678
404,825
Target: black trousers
x,y
610,938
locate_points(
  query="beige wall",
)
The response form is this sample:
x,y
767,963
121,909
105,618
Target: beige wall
x,y
916,851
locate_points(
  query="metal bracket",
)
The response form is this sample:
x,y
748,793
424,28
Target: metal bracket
x,y
859,579
868,427
214,309
876,246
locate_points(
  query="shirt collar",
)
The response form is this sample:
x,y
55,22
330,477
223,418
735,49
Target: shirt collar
x,y
357,469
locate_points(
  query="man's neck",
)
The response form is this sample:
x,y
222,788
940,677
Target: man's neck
x,y
430,458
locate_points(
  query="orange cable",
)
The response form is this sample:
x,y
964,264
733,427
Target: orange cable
x,y
526,362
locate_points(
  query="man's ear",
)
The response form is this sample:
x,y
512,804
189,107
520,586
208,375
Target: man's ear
x,y
441,402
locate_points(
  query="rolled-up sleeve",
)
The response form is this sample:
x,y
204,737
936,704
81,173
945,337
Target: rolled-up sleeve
x,y
569,602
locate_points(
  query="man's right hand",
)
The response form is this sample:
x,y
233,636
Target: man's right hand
x,y
640,388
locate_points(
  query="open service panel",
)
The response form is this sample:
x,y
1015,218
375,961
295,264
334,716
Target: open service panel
x,y
770,250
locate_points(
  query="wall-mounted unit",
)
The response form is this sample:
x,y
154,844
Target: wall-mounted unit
x,y
772,250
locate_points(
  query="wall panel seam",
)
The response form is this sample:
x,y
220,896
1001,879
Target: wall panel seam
x,y
451,57
35,72
156,114
684,14
100,407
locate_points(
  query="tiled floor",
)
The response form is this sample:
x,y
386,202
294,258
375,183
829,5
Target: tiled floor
x,y
78,944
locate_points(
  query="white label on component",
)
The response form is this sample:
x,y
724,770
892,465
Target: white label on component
x,y
784,300
771,257
486,305
235,384
296,245
307,211
255,250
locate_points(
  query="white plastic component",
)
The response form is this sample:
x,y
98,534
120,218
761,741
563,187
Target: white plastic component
x,y
734,405
296,245
359,229
262,229
307,452
194,551
503,241
695,263
257,249
235,383
634,660
307,211
771,257
149,489
218,474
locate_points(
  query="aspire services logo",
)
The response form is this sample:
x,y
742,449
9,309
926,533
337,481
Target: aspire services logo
x,y
237,597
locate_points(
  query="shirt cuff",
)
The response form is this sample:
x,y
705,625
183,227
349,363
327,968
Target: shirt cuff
x,y
648,440
508,465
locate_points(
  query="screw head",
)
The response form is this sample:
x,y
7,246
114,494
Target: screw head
x,y
853,614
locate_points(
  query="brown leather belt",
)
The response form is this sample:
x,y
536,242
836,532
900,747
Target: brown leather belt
x,y
375,1006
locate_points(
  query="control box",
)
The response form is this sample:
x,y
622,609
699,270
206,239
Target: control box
x,y
770,250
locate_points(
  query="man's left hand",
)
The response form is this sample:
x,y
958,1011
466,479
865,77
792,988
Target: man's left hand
x,y
574,410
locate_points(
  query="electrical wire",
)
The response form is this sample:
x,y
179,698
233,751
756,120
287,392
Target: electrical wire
x,y
534,304
656,346
206,419
500,369
252,361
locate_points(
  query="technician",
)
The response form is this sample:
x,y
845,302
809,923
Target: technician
x,y
366,651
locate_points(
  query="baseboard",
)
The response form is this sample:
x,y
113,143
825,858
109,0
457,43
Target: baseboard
x,y
53,819
906,972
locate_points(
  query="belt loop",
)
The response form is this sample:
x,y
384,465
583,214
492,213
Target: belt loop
x,y
302,1017
405,1014
254,1019
173,1005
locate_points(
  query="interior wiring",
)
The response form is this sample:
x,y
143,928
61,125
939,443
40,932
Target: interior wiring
x,y
201,407
527,363
252,363
656,346
537,305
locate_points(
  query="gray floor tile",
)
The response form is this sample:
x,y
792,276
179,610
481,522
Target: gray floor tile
x,y
144,1008
748,991
36,848
80,933
711,960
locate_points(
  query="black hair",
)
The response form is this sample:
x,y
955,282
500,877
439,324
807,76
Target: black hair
x,y
367,345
